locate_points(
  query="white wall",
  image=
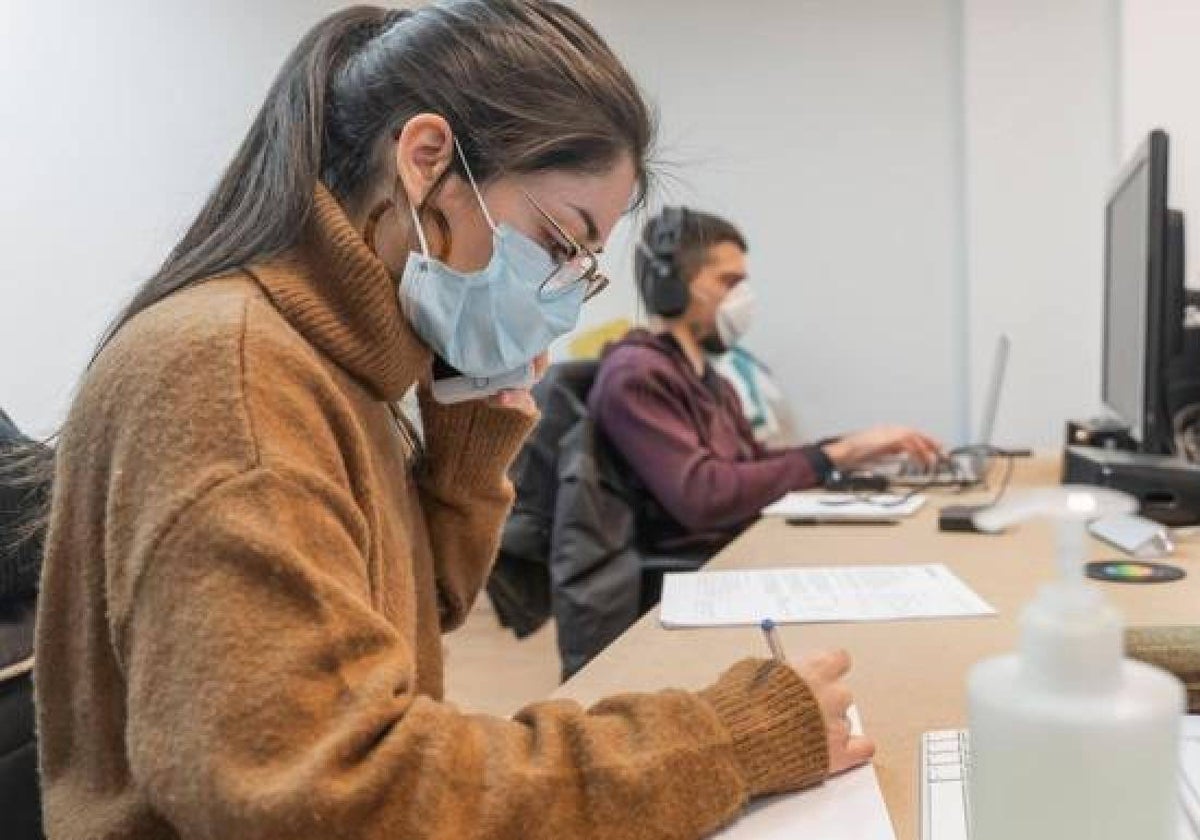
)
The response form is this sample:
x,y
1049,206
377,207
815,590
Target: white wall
x,y
1041,128
1159,69
827,130
823,127
913,177
117,118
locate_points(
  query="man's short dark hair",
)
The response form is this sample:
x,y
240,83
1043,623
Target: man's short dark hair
x,y
699,232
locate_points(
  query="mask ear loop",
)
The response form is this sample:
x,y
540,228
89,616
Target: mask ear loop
x,y
471,177
416,220
438,217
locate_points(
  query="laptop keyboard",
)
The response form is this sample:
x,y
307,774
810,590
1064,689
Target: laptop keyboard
x,y
960,470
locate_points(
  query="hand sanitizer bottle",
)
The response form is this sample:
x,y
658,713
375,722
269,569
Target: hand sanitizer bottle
x,y
1069,739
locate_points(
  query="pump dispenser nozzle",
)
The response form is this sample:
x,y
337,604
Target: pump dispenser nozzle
x,y
1072,506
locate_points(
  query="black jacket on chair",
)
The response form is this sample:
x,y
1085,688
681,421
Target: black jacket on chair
x,y
20,566
595,569
519,586
569,547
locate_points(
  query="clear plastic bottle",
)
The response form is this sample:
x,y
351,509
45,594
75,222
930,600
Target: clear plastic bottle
x,y
1070,740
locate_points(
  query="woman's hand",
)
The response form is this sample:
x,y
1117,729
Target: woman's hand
x,y
859,448
824,673
521,399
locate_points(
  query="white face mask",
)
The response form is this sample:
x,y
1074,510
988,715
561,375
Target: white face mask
x,y
492,321
735,314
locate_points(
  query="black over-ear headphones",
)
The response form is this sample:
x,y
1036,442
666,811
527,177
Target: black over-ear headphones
x,y
664,290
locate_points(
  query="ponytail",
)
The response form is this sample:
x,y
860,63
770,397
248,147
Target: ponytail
x,y
262,201
26,476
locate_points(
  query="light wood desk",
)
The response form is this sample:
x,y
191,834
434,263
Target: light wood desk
x,y
909,677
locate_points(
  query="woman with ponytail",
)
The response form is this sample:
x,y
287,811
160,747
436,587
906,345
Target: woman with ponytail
x,y
250,558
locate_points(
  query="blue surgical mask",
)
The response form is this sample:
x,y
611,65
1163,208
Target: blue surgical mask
x,y
491,321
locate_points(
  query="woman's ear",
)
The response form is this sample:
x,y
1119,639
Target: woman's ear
x,y
424,151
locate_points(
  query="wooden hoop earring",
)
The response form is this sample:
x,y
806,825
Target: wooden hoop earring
x,y
443,229
373,222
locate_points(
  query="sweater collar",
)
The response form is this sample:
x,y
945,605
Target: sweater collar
x,y
343,299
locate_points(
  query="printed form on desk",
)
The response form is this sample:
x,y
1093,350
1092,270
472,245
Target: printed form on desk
x,y
849,807
816,595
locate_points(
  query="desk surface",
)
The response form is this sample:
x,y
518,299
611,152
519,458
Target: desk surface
x,y
909,677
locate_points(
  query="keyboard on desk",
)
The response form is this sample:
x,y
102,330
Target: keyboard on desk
x,y
945,762
957,472
945,775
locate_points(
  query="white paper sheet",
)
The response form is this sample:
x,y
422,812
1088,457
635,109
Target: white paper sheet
x,y
841,507
816,595
849,807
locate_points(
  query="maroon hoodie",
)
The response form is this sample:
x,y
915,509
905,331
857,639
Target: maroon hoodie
x,y
685,437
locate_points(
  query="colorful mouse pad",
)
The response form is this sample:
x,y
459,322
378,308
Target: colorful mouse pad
x,y
1133,571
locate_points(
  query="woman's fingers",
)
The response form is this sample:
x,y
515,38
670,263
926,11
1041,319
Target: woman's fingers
x,y
519,399
854,752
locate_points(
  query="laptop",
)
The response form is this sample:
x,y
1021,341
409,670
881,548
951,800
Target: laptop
x,y
966,468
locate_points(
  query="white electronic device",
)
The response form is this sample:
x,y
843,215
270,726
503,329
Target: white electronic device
x,y
945,805
1143,538
456,388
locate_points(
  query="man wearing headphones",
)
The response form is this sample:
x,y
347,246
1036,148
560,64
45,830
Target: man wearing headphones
x,y
678,425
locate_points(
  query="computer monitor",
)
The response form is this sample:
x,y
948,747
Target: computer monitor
x,y
1143,295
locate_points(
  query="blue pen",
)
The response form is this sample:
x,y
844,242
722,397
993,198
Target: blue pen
x,y
772,634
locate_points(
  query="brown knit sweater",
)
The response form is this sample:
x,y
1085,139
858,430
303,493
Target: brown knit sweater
x,y
246,580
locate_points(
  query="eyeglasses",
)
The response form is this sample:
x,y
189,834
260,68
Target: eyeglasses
x,y
581,266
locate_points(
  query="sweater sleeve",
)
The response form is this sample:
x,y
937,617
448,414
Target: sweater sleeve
x,y
267,698
465,492
650,426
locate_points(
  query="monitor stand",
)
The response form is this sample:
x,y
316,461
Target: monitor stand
x,y
1167,488
1101,433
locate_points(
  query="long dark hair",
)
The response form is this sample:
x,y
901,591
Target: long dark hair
x,y
526,86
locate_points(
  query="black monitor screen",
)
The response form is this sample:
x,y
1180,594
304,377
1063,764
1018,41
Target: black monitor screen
x,y
1126,281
